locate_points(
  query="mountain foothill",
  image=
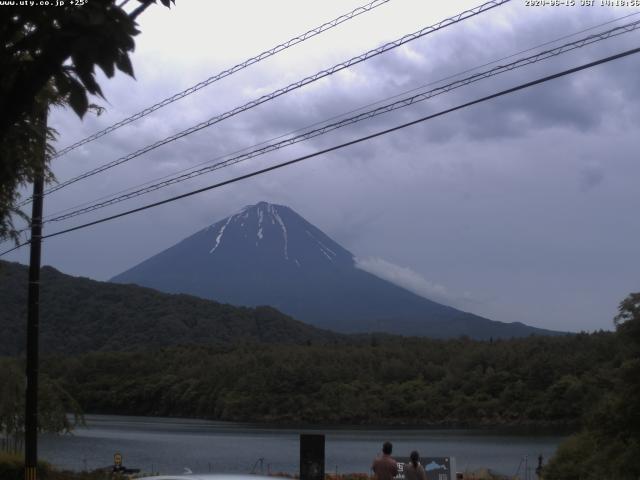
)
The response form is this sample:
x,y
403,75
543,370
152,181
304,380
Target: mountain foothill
x,y
263,275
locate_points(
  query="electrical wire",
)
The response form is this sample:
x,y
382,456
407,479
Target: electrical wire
x,y
335,117
501,93
405,102
277,93
225,73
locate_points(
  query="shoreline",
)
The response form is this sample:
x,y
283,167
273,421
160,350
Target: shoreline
x,y
533,428
171,443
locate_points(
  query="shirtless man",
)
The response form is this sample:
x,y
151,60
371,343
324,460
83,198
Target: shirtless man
x,y
384,466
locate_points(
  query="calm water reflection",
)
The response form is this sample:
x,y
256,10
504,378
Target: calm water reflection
x,y
168,445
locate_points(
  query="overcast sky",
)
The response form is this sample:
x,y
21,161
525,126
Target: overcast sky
x,y
524,208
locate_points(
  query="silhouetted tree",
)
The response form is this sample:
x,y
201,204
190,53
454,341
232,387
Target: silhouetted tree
x,y
50,55
609,445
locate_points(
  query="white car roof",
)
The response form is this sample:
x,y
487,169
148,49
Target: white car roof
x,y
209,476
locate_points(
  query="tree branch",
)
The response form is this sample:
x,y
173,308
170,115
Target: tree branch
x,y
141,8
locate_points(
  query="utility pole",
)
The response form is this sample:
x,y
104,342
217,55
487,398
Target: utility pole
x,y
33,308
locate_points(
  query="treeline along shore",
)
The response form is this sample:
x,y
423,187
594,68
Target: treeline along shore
x,y
387,380
589,382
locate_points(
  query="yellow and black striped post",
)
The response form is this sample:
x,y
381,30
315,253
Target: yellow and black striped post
x,y
30,473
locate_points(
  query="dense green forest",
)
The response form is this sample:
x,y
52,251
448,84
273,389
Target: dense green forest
x,y
207,360
80,315
390,380
588,381
608,445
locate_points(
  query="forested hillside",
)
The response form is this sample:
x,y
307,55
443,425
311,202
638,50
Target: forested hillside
x,y
608,446
80,315
538,380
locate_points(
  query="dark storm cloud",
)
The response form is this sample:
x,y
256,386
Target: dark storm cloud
x,y
573,102
488,204
582,101
570,102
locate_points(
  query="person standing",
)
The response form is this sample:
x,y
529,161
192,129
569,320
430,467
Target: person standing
x,y
384,466
413,470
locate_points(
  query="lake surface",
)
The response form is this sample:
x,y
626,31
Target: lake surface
x,y
168,445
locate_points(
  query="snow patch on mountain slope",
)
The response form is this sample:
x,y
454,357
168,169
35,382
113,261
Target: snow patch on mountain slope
x,y
260,218
220,233
278,219
330,254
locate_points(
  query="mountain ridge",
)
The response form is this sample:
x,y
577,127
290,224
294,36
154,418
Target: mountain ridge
x,y
269,254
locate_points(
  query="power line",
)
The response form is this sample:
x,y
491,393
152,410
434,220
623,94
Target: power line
x,y
113,196
225,73
277,93
346,144
448,77
20,245
359,109
404,102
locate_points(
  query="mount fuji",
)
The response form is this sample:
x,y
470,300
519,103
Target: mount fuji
x,y
267,254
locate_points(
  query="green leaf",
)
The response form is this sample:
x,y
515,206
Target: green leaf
x,y
123,62
107,66
89,81
78,100
62,83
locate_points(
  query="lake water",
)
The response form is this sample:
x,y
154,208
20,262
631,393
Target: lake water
x,y
168,445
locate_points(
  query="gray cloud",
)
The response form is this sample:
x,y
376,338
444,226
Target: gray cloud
x,y
521,201
591,175
413,281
